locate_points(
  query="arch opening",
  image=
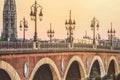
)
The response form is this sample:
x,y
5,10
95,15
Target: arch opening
x,y
111,73
95,73
45,69
4,75
112,69
74,72
43,73
76,61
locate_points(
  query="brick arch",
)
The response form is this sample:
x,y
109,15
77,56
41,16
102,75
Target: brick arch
x,y
10,70
81,65
52,66
116,64
102,69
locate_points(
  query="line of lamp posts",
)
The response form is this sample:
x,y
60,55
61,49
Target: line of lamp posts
x,y
34,13
95,26
70,26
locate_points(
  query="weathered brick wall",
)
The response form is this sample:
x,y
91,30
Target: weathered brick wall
x,y
17,61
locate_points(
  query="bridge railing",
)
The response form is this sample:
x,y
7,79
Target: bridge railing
x,y
15,45
40,45
103,47
79,45
53,45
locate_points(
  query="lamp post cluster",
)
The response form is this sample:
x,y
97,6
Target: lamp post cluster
x,y
94,26
36,10
70,26
111,34
24,25
50,33
33,14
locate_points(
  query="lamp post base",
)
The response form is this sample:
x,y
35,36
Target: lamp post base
x,y
111,48
34,45
94,46
35,38
70,45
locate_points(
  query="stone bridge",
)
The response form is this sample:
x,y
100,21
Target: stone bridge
x,y
49,64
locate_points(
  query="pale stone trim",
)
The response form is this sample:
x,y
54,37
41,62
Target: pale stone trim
x,y
48,61
81,65
10,70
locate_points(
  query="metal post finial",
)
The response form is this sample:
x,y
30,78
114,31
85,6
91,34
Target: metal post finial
x,y
35,1
85,33
111,28
70,14
50,26
111,24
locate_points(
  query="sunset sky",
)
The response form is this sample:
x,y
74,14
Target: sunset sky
x,y
57,11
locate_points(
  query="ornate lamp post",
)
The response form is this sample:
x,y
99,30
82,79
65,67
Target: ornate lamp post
x,y
111,34
24,25
94,27
33,14
70,26
50,33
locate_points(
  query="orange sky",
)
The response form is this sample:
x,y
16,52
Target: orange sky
x,y
57,11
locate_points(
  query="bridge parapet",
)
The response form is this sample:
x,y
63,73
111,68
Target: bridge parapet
x,y
27,47
15,45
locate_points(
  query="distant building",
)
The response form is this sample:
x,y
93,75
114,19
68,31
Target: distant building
x,y
9,21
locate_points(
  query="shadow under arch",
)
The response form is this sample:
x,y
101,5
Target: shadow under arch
x,y
10,70
42,62
81,65
116,64
102,69
112,68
